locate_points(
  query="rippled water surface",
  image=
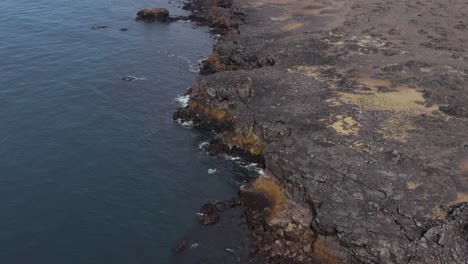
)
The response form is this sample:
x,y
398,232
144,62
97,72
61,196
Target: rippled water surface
x,y
92,168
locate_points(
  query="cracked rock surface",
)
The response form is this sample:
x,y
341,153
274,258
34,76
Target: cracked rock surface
x,y
360,110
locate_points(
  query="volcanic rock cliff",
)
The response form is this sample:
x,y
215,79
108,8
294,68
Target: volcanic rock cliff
x,y
358,110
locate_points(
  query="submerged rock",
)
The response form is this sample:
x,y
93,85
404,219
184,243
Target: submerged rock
x,y
182,245
209,212
129,78
99,27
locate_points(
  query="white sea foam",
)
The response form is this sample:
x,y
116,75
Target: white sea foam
x,y
195,68
249,166
194,245
182,100
233,158
253,167
132,78
212,171
187,124
204,145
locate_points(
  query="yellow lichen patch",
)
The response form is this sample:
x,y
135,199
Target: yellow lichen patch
x,y
412,185
399,99
464,167
437,214
357,145
326,141
247,139
282,18
396,128
403,102
321,12
213,112
333,11
333,102
335,43
461,198
316,72
345,126
292,26
309,71
425,70
374,83
369,41
273,191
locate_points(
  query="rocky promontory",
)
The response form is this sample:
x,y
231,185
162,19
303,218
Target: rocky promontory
x,y
357,110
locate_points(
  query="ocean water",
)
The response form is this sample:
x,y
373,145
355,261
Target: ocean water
x,y
92,168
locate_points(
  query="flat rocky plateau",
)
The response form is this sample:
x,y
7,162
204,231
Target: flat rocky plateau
x,y
358,111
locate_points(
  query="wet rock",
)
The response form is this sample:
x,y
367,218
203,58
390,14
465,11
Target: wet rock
x,y
99,27
218,146
209,212
129,78
208,219
157,14
182,245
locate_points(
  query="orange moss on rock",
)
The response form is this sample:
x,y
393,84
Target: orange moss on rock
x,y
226,22
247,139
272,191
215,63
210,111
324,253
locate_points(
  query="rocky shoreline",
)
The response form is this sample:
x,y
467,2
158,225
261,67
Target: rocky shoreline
x,y
358,112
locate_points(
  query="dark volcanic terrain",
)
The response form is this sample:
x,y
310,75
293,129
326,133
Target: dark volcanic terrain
x,y
358,111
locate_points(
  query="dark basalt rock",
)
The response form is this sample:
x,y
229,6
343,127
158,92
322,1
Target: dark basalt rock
x,y
99,27
208,219
218,147
157,14
209,212
129,78
182,245
224,3
377,201
454,110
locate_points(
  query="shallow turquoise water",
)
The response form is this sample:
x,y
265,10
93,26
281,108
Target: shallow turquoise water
x,y
93,169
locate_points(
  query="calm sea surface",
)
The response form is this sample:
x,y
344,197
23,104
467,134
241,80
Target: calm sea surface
x,y
92,168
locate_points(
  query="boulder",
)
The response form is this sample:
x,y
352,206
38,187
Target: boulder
x,y
157,14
